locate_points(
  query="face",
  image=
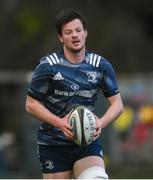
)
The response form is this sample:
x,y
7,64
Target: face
x,y
73,36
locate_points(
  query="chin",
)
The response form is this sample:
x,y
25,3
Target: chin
x,y
76,50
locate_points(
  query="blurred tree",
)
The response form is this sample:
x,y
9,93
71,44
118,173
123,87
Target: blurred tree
x,y
121,31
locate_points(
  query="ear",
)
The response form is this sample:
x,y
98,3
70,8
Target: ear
x,y
60,38
86,33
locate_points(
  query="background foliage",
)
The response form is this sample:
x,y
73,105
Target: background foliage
x,y
121,31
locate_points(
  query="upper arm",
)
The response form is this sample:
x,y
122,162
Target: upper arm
x,y
109,83
39,84
31,102
116,103
115,99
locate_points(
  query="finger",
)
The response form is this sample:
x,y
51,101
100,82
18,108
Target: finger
x,y
69,136
69,133
96,137
68,127
96,134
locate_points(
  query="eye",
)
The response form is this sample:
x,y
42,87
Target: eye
x,y
67,32
78,29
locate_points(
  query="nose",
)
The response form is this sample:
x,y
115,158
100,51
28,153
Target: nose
x,y
74,34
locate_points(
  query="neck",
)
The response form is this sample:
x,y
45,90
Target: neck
x,y
74,57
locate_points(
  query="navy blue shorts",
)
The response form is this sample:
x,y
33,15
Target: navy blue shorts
x,y
59,158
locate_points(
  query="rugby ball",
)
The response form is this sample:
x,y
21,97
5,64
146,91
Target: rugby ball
x,y
83,123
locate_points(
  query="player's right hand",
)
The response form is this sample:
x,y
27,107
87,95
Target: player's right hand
x,y
66,128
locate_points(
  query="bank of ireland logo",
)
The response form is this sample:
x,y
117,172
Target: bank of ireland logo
x,y
92,76
49,164
75,87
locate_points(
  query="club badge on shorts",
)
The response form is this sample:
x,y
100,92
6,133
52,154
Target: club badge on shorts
x,y
49,164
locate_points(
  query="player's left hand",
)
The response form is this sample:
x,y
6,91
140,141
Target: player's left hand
x,y
98,129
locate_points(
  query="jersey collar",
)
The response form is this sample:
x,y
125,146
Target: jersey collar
x,y
61,53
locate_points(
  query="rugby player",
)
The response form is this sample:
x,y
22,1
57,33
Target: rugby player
x,y
62,80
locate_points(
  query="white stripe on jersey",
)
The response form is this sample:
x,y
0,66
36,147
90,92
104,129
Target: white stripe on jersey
x,y
54,54
98,61
49,60
94,60
53,59
91,57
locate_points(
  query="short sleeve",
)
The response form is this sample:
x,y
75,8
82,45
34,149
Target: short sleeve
x,y
39,84
109,83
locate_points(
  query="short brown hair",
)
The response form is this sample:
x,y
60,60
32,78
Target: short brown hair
x,y
67,16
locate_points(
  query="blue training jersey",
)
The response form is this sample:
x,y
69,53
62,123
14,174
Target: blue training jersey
x,y
61,85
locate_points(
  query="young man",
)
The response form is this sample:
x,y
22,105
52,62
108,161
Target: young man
x,y
61,81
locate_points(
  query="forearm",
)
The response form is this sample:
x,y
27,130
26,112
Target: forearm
x,y
114,110
41,112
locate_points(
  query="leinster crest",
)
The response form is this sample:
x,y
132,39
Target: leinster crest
x,y
92,76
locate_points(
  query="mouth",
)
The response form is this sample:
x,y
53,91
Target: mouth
x,y
75,42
